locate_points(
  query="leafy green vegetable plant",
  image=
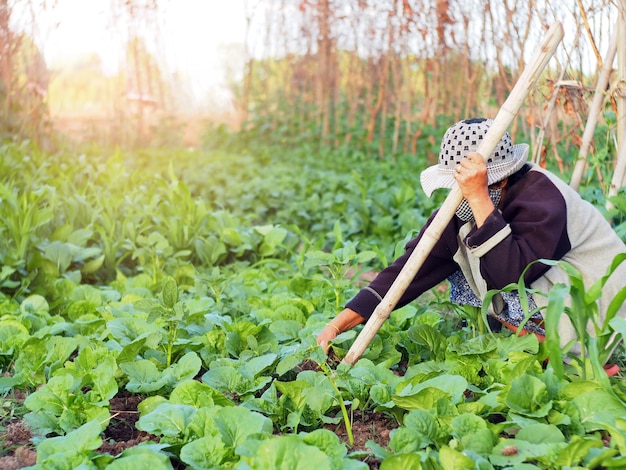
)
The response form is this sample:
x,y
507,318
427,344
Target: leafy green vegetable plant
x,y
337,264
143,285
168,310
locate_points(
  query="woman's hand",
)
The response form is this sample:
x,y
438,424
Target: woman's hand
x,y
471,176
345,320
328,334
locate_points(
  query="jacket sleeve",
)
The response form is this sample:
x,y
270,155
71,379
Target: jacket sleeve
x,y
531,226
437,266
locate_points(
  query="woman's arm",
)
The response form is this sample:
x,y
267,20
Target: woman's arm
x,y
345,320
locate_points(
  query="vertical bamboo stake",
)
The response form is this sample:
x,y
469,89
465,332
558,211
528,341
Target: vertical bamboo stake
x,y
546,118
432,234
594,112
620,169
620,92
621,65
537,143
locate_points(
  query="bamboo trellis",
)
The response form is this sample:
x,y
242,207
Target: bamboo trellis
x,y
594,113
617,46
620,96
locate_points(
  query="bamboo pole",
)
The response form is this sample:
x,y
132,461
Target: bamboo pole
x,y
620,169
431,235
621,74
546,118
538,143
620,93
594,112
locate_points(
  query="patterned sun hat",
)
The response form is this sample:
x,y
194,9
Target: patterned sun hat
x,y
464,137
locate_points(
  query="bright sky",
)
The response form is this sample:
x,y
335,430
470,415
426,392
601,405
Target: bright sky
x,y
192,33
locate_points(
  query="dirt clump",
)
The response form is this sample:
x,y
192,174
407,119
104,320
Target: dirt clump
x,y
19,450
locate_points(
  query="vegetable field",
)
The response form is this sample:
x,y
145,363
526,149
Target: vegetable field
x,y
159,309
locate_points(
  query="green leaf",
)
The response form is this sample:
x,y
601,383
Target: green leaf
x,y
92,266
98,369
144,457
76,443
288,363
428,337
202,424
272,239
168,420
319,397
318,258
510,452
540,434
528,396
186,368
144,376
231,237
467,424
422,423
210,250
404,461
169,292
481,442
79,237
479,345
288,452
196,394
289,312
424,399
205,452
327,441
130,351
403,440
236,424
604,458
294,390
127,330
381,395
556,307
227,379
577,449
12,333
594,405
34,304
53,397
252,368
60,254
454,460
43,423
423,395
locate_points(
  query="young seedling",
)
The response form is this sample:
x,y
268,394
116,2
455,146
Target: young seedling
x,y
344,411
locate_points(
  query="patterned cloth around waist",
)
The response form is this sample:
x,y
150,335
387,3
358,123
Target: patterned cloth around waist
x,y
461,293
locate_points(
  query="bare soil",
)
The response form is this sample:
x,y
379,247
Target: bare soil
x,y
366,426
121,432
19,452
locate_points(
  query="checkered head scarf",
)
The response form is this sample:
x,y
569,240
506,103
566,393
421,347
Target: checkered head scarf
x,y
464,137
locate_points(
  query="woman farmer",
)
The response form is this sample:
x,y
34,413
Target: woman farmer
x,y
512,213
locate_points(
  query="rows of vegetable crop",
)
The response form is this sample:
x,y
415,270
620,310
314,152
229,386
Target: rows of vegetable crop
x,y
196,282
